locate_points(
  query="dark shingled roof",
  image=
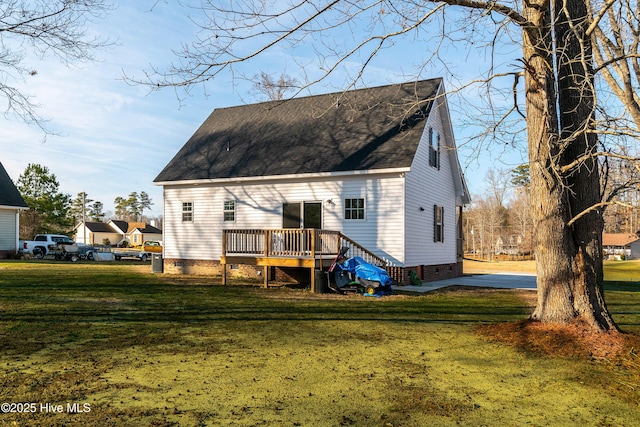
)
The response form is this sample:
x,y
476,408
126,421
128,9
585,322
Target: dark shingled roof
x,y
122,225
99,227
149,229
9,194
373,128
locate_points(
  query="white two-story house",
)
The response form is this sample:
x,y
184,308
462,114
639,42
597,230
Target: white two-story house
x,y
378,165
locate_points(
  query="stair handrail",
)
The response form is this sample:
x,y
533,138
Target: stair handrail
x,y
365,253
261,241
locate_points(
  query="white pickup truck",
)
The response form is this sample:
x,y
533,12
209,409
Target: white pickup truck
x,y
48,244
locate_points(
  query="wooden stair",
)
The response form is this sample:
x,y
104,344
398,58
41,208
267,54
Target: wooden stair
x,y
310,248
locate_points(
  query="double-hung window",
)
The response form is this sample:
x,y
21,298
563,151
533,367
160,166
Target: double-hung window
x,y
187,211
229,210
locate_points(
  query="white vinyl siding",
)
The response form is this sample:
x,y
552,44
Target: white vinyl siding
x,y
427,186
380,231
7,230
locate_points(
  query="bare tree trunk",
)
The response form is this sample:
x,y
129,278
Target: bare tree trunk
x,y
569,255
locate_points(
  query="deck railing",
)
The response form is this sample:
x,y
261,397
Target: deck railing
x,y
293,242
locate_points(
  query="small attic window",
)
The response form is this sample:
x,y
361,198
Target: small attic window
x,y
434,148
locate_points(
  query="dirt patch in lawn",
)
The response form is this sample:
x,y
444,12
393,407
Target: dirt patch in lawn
x,y
574,340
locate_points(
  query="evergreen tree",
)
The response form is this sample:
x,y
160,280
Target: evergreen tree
x,y
131,208
96,211
49,209
79,207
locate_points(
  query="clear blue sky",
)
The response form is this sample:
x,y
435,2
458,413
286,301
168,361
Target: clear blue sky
x,y
114,138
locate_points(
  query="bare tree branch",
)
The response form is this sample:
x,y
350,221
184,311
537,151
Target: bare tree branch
x,y
595,207
579,161
57,28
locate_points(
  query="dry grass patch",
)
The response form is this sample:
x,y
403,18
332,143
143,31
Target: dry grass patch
x,y
488,267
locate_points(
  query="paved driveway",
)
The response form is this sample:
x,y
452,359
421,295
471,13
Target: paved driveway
x,y
495,280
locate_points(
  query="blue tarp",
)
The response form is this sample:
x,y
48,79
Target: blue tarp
x,y
367,271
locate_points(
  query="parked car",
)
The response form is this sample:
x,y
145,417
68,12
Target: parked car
x,y
142,252
152,246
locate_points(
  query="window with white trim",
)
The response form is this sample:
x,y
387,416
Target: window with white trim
x,y
438,223
187,211
354,208
434,148
229,210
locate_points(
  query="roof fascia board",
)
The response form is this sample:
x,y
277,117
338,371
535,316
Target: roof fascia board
x,y
14,208
288,177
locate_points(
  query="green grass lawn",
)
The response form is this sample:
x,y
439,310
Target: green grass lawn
x,y
143,349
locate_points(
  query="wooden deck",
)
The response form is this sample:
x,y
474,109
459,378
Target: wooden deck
x,y
304,248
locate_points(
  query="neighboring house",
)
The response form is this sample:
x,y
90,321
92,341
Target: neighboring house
x,y
509,245
121,227
139,232
116,231
11,203
378,165
618,245
96,233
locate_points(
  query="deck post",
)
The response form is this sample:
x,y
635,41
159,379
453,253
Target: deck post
x,y
265,273
267,250
224,255
313,257
224,274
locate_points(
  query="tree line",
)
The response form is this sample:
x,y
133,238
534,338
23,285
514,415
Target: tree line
x,y
499,224
53,211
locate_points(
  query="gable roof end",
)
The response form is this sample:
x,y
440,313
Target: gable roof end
x,y
119,226
462,191
9,194
360,130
